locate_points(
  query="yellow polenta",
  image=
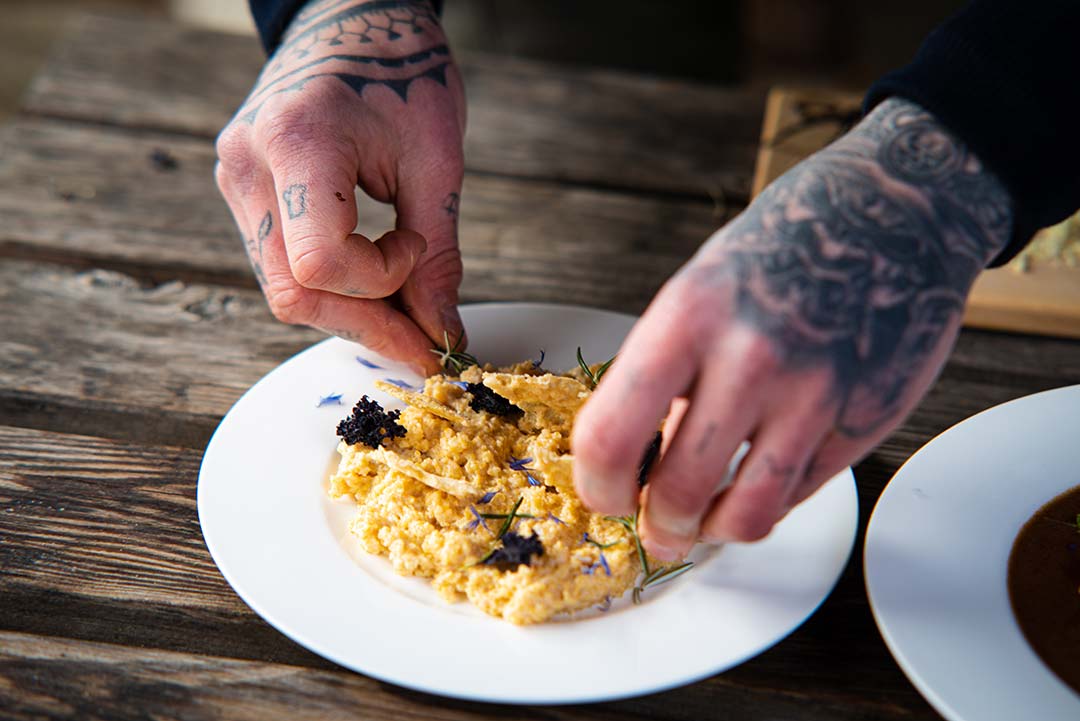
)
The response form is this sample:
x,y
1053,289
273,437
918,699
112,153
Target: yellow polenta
x,y
420,497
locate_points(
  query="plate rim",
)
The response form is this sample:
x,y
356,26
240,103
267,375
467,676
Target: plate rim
x,y
921,684
311,644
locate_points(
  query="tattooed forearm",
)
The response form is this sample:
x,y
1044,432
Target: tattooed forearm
x,y
295,197
862,256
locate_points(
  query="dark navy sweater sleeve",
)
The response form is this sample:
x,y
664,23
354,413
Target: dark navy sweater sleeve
x,y
271,19
999,74
273,16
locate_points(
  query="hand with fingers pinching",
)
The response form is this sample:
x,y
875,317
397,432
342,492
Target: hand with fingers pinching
x,y
354,95
810,326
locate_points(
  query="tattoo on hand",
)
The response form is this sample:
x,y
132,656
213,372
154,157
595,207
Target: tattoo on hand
x,y
862,256
254,253
295,197
265,227
450,204
324,27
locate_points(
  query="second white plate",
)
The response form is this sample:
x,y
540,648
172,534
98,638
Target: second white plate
x,y
937,550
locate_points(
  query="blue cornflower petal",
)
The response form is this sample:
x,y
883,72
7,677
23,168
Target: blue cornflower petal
x,y
367,364
605,606
539,362
477,521
486,498
532,481
552,517
604,563
460,384
400,384
332,399
518,464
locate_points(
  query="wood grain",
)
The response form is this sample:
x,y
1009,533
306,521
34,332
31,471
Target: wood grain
x,y
101,543
175,356
59,678
521,239
526,118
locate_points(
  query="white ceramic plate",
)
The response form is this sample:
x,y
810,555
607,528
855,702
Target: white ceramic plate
x,y
283,545
937,549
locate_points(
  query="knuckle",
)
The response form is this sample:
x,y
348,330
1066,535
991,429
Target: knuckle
x,y
313,266
292,304
443,268
758,358
679,497
290,131
749,524
232,145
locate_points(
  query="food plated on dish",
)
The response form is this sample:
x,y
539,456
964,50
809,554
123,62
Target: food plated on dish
x,y
471,485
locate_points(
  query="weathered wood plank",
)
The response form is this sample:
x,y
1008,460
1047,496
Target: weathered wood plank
x,y
56,678
525,118
91,196
101,541
174,356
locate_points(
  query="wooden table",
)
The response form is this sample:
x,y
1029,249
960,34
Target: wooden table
x,y
131,322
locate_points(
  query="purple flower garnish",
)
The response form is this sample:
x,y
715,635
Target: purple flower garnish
x,y
552,517
460,384
486,498
605,606
332,399
367,364
477,521
600,563
518,464
400,384
540,360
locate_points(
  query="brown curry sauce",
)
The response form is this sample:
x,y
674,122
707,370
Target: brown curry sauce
x,y
1044,585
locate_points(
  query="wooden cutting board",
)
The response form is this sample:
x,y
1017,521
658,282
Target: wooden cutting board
x,y
1044,298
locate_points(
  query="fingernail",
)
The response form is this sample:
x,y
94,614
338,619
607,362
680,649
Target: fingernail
x,y
451,319
661,552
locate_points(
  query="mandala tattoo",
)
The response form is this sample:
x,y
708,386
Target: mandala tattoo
x,y
862,256
332,32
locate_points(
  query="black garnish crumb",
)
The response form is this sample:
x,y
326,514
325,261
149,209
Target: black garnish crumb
x,y
550,489
163,160
515,551
647,461
485,399
370,424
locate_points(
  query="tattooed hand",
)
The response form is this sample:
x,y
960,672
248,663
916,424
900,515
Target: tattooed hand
x,y
810,325
358,93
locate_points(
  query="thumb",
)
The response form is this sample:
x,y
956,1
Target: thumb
x,y
430,293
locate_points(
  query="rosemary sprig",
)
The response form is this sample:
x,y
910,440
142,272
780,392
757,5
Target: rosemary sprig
x,y
502,530
601,546
652,576
509,518
630,524
453,359
593,376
